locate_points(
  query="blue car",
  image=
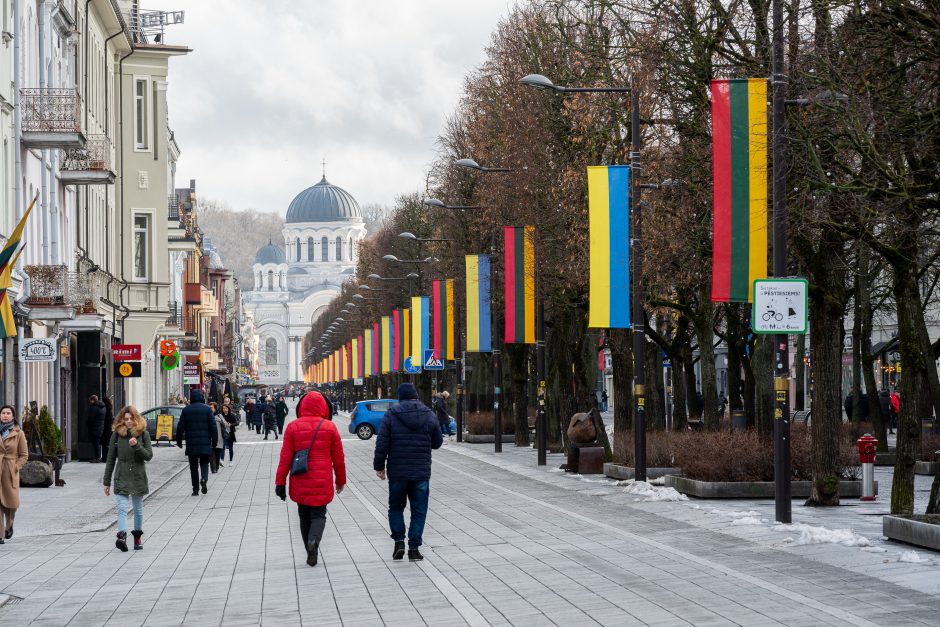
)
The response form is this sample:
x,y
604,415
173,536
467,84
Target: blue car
x,y
367,417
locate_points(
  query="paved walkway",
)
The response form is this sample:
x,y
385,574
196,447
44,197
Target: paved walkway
x,y
506,544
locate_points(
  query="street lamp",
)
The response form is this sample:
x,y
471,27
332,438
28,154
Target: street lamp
x,y
415,238
473,165
397,260
407,277
434,202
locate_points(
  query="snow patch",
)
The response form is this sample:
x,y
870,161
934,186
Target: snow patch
x,y
911,557
650,493
747,520
821,535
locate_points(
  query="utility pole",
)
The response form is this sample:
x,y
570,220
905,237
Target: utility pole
x,y
639,320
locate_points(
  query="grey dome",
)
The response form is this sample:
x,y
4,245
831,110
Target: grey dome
x,y
324,203
270,253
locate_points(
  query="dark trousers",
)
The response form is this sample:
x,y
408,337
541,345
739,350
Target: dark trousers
x,y
203,462
216,458
280,425
230,445
416,493
312,522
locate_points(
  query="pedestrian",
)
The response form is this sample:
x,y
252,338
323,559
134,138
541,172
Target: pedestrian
x,y
14,454
270,418
408,432
895,408
326,467
257,414
129,451
232,422
221,431
197,427
108,422
884,401
282,411
95,419
443,412
604,398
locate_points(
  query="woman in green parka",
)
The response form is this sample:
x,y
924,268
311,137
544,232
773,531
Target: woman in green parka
x,y
128,453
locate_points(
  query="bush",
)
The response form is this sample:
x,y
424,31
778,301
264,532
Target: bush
x,y
45,429
484,423
927,448
660,448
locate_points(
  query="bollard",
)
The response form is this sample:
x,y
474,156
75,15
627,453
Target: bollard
x,y
867,447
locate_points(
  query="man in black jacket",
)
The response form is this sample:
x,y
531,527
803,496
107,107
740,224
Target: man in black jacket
x,y
197,427
96,419
408,432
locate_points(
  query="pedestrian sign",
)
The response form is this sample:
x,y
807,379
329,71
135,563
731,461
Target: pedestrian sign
x,y
780,306
410,368
431,362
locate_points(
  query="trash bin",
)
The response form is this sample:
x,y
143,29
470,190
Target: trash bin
x,y
738,420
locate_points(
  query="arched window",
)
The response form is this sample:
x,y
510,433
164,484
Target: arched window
x,y
339,249
325,249
351,249
283,281
297,246
270,280
310,249
270,351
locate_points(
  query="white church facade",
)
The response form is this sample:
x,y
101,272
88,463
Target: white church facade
x,y
294,283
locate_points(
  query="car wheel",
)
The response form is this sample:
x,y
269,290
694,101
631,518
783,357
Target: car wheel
x,y
364,431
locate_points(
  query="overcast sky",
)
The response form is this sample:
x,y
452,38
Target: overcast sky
x,y
272,88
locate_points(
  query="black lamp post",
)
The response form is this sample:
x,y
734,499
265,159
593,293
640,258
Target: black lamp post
x,y
434,202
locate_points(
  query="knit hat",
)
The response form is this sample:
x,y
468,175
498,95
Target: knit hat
x,y
407,392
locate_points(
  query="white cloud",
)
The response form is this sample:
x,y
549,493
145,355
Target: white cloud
x,y
273,87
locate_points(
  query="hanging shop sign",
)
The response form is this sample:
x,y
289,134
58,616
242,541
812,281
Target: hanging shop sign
x,y
37,350
127,369
126,352
170,362
167,348
192,374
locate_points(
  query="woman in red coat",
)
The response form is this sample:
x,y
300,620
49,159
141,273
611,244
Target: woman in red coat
x,y
312,490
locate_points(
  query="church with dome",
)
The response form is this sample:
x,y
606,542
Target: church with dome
x,y
295,279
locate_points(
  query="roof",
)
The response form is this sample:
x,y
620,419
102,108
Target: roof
x,y
270,253
324,202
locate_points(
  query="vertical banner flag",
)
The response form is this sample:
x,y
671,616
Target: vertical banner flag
x,y
405,335
479,335
442,302
356,357
386,344
739,190
609,227
349,359
367,352
420,306
519,285
396,340
376,348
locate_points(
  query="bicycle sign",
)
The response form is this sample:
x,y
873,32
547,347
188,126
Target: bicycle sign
x,y
780,306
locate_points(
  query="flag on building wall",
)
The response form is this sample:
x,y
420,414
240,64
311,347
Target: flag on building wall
x,y
387,343
420,312
442,303
609,226
739,191
7,322
367,352
519,286
479,334
6,254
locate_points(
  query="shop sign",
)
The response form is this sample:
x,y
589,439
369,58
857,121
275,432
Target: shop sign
x,y
127,369
126,352
191,374
37,350
164,427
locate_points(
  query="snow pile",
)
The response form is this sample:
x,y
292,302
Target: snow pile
x,y
911,557
747,520
733,514
650,493
821,535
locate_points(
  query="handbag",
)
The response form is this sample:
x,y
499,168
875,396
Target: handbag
x,y
299,465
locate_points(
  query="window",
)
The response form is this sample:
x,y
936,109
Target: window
x,y
141,247
140,114
270,280
350,249
310,249
324,249
270,351
339,249
297,247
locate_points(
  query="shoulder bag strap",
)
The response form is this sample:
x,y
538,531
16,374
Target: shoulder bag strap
x,y
315,432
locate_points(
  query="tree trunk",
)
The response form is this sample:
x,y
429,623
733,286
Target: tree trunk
x,y
691,389
621,356
655,402
680,415
933,503
865,313
706,339
800,396
762,360
518,376
735,344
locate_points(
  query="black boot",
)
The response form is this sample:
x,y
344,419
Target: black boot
x,y
399,550
9,533
137,544
204,488
414,555
121,541
312,550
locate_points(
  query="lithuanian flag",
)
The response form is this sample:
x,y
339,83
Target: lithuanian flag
x,y
519,286
479,335
739,155
14,240
442,302
609,231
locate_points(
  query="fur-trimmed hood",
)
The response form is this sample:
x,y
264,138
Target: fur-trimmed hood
x,y
136,431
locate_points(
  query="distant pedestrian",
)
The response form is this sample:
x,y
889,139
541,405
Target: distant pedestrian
x,y
443,412
326,467
408,432
884,401
281,410
232,422
95,419
221,429
257,414
13,456
895,408
108,422
197,427
270,418
604,399
129,451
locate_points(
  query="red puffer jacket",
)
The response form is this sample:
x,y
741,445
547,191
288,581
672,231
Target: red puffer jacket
x,y
314,487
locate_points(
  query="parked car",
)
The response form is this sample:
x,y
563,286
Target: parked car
x,y
366,417
150,416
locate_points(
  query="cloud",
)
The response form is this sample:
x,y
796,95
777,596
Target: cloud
x,y
271,88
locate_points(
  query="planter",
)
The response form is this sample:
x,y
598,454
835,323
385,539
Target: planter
x,y
886,459
919,530
619,471
753,489
926,468
487,438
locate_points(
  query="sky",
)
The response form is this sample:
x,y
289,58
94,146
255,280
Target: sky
x,y
273,88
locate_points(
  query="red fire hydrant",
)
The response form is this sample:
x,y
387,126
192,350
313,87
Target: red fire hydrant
x,y
867,448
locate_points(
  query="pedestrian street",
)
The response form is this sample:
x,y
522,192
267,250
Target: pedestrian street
x,y
505,544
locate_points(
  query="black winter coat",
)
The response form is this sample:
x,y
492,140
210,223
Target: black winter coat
x,y
197,426
257,413
408,432
97,413
442,411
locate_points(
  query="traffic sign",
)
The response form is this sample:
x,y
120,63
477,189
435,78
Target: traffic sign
x,y
431,362
780,306
410,368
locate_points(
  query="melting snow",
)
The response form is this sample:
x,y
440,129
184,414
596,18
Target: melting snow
x,y
821,535
650,493
747,520
913,558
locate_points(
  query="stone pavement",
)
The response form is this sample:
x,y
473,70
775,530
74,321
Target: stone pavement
x,y
506,544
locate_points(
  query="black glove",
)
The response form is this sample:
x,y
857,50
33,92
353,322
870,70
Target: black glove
x,y
281,491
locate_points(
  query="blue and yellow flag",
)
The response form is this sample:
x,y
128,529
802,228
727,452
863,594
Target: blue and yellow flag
x,y
609,218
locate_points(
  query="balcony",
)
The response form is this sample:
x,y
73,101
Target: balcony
x,y
175,319
51,118
89,164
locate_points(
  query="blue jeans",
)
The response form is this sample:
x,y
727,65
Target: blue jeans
x,y
417,493
122,503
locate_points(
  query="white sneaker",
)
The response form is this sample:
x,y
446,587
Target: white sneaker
x,y
232,463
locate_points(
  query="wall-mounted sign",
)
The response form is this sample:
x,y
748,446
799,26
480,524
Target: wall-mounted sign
x,y
126,352
38,349
780,306
170,362
192,374
167,348
127,369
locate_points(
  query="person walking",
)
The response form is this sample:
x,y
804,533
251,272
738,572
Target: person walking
x,y
13,456
221,432
232,422
257,414
197,427
270,418
108,422
895,408
443,412
312,490
95,421
884,401
281,410
408,433
129,451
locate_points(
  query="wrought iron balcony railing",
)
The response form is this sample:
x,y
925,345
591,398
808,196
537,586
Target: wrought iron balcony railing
x,y
51,110
56,286
175,319
94,155
173,207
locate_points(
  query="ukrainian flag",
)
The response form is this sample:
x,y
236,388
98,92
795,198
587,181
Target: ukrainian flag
x,y
609,218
